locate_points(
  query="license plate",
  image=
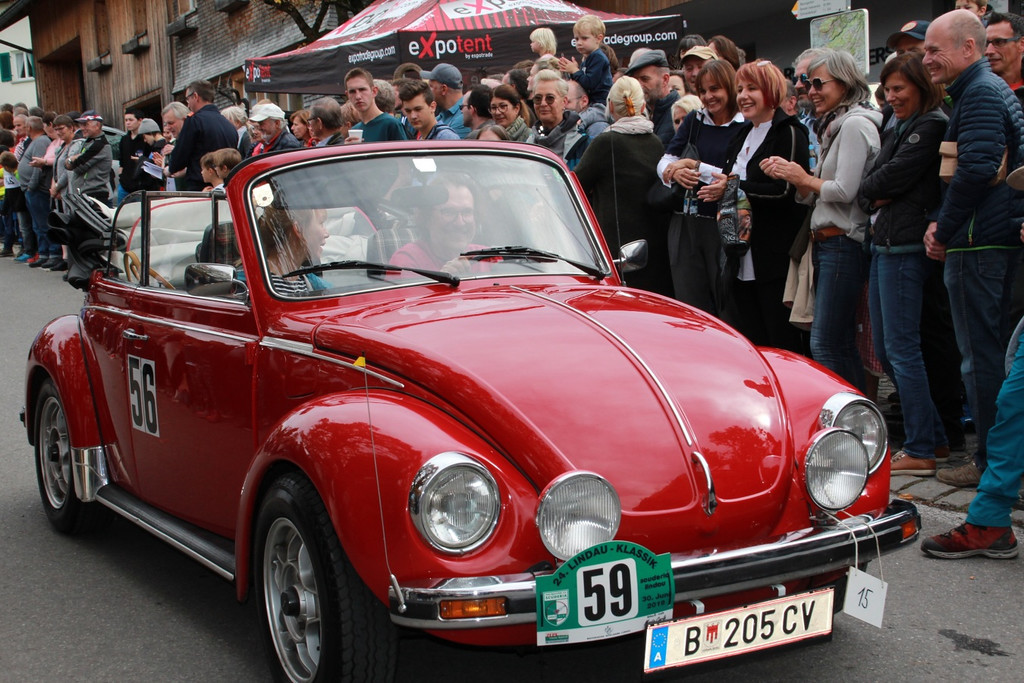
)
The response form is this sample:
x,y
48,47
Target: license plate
x,y
737,631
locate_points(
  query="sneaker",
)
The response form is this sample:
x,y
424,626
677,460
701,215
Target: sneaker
x,y
904,463
966,540
37,261
6,252
942,454
61,265
965,476
50,262
24,256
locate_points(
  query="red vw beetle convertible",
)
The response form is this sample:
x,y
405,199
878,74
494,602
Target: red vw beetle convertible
x,y
401,386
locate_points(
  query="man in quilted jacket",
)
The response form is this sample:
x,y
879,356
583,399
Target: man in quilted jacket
x,y
977,230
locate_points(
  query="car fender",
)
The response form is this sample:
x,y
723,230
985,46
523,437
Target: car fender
x,y
331,441
59,354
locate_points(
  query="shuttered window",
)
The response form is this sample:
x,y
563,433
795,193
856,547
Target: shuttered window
x,y
6,73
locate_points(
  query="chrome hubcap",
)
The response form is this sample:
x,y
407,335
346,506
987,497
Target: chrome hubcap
x,y
54,453
292,601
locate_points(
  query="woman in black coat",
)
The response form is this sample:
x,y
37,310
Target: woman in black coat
x,y
616,171
753,284
903,187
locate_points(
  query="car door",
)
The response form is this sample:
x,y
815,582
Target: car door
x,y
188,370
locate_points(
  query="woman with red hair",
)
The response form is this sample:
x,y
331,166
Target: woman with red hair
x,y
753,284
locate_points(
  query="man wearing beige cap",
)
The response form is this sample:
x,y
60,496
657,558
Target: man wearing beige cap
x,y
270,119
692,61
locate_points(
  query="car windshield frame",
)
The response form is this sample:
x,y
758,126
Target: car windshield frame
x,y
391,213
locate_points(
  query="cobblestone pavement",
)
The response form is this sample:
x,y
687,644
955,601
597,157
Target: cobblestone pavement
x,y
929,490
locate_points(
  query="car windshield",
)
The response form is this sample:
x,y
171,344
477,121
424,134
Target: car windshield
x,y
431,212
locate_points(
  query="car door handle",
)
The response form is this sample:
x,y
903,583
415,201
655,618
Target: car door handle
x,y
134,336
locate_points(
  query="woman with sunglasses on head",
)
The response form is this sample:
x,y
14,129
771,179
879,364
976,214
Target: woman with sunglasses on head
x,y
753,283
694,245
901,188
510,112
847,129
616,171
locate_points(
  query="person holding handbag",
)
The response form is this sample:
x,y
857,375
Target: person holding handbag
x,y
695,154
848,131
616,190
753,283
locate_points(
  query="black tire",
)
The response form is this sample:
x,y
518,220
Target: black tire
x,y
319,621
66,512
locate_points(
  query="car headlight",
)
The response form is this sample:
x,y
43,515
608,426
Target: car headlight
x,y
454,502
858,415
835,469
576,511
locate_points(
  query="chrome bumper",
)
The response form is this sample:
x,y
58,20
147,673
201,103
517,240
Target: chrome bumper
x,y
798,555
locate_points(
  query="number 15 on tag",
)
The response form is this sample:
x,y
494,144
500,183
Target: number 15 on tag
x,y
865,597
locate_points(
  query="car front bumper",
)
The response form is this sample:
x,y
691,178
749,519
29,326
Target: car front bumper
x,y
797,555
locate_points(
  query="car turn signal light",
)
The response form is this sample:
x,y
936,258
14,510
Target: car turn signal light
x,y
473,609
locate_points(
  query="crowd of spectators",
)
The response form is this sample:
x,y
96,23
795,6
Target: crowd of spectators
x,y
873,246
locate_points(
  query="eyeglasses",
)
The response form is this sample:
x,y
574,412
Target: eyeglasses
x,y
1000,42
501,106
450,214
544,99
814,83
464,106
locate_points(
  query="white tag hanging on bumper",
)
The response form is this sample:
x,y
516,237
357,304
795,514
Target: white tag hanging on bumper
x,y
865,597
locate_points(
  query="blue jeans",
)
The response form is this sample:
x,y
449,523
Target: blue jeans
x,y
39,207
979,284
28,235
895,291
840,270
997,491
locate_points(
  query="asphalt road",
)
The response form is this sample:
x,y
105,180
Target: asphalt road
x,y
121,606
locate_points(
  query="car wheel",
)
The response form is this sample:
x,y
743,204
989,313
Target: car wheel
x,y
320,622
63,508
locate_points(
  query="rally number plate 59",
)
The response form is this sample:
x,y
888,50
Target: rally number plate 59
x,y
745,629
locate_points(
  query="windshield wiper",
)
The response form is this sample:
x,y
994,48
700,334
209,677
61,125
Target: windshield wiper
x,y
534,254
438,275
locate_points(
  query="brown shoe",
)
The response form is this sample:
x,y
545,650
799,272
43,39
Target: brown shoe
x,y
965,476
904,463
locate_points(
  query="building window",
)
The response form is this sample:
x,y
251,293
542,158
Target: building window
x,y
23,66
176,8
16,67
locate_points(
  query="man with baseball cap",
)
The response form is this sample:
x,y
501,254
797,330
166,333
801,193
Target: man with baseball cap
x,y
446,84
910,37
650,68
693,59
90,166
270,119
204,130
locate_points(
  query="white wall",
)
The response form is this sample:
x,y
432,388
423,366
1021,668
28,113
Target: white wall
x,y
17,90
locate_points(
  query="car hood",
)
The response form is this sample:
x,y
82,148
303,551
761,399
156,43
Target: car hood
x,y
609,380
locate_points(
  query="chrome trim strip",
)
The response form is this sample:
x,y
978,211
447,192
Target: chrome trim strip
x,y
89,469
170,323
799,555
111,497
307,350
629,349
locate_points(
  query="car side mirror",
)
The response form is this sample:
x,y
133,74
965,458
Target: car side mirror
x,y
632,256
215,279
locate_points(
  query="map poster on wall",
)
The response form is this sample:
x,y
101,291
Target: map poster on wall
x,y
844,31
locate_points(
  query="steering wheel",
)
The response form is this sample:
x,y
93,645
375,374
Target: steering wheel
x,y
133,267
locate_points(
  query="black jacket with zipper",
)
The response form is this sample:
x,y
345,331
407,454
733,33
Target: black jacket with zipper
x,y
906,172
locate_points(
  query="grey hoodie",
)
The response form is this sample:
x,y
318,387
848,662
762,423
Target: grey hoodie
x,y
849,148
